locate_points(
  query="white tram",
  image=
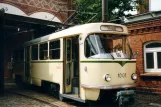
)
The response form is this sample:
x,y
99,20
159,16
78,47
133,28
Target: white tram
x,y
88,62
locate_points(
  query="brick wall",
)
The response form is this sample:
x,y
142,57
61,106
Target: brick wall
x,y
139,34
52,6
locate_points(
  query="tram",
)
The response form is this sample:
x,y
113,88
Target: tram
x,y
87,62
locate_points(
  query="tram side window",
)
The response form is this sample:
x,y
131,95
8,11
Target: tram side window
x,y
34,52
44,51
55,49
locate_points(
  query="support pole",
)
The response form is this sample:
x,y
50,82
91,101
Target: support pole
x,y
2,52
104,10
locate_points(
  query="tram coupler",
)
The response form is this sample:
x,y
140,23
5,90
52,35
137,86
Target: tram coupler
x,y
125,97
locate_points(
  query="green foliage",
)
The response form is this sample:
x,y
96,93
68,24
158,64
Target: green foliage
x,y
86,9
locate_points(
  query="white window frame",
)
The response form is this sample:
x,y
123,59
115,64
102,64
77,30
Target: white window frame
x,y
154,51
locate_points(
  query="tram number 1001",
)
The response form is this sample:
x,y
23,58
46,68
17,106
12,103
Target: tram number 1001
x,y
121,75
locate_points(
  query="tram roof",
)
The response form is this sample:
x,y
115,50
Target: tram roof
x,y
73,31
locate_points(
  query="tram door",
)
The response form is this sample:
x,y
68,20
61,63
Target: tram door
x,y
71,65
27,64
68,65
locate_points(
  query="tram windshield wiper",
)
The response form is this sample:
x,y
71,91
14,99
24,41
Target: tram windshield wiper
x,y
112,56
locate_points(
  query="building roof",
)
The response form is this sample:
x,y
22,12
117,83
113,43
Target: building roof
x,y
138,18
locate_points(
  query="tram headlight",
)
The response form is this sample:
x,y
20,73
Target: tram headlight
x,y
107,77
134,76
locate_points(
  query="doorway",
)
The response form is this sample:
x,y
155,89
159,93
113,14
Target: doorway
x,y
27,64
71,65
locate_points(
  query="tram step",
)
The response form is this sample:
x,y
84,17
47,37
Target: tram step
x,y
73,97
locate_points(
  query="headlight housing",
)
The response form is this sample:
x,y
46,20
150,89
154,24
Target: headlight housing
x,y
107,77
134,76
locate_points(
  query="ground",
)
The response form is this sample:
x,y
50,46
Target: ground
x,y
16,100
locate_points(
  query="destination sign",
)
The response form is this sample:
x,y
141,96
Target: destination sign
x,y
111,28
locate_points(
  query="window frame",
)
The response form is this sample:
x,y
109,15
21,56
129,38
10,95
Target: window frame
x,y
56,48
154,50
37,52
130,56
39,45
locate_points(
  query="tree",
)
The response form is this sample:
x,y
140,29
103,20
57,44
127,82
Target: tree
x,y
86,9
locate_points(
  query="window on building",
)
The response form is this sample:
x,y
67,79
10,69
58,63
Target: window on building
x,y
43,51
55,49
34,52
152,57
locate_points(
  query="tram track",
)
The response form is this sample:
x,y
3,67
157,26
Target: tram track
x,y
39,100
35,93
43,98
150,101
50,100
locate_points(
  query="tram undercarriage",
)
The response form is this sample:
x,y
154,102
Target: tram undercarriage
x,y
120,97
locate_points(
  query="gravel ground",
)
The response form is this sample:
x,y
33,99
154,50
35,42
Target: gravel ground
x,y
37,94
147,100
12,100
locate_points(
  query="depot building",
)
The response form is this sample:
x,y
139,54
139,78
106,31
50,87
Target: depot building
x,y
25,20
145,40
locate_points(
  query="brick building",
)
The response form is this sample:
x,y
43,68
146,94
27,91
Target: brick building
x,y
28,19
145,39
54,10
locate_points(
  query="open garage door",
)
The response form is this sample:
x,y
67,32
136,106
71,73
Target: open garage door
x,y
20,29
16,31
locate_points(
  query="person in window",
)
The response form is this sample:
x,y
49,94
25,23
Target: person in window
x,y
109,45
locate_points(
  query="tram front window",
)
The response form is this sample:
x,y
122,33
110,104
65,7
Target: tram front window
x,y
107,46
